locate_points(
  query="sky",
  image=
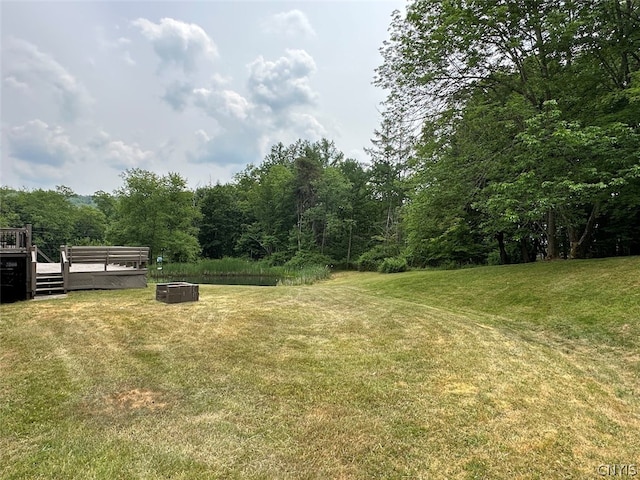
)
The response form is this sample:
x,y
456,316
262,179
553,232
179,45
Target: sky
x,y
90,89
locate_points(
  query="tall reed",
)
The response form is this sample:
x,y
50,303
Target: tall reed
x,y
238,267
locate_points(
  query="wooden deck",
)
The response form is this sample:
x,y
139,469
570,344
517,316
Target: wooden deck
x,y
104,268
47,268
96,276
80,267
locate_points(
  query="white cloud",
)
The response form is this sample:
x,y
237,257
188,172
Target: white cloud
x,y
220,80
206,99
214,100
13,82
224,148
202,137
225,102
40,154
234,104
289,127
117,153
122,155
177,43
276,111
283,83
38,143
307,126
27,65
43,176
293,23
122,41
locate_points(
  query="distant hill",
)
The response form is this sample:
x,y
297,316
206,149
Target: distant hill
x,y
83,200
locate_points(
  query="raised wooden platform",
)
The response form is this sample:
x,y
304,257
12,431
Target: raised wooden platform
x,y
80,267
90,276
83,267
110,268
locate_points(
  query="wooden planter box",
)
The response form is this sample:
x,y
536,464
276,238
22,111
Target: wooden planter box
x,y
177,292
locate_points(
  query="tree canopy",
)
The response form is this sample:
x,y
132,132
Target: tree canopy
x,y
526,117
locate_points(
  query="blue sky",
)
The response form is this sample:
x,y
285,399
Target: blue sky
x,y
90,89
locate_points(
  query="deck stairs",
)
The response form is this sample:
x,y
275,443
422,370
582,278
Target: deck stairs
x,y
49,284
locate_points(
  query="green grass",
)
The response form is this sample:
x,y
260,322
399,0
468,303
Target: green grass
x,y
527,371
594,300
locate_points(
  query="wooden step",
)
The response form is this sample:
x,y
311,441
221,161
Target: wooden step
x,y
49,284
49,279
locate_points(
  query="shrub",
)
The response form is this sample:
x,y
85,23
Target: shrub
x,y
371,260
277,259
393,265
305,259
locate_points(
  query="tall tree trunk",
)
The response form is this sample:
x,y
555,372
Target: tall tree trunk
x,y
324,237
387,229
552,241
624,72
504,256
579,245
349,245
524,250
299,205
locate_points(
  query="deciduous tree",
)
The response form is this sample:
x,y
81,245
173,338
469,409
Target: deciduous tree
x,y
158,212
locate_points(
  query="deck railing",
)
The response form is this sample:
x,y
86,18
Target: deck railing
x,y
15,238
136,257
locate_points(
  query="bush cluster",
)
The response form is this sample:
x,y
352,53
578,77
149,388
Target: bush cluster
x,y
393,265
371,260
304,259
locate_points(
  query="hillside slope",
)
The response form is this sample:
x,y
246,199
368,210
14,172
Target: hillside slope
x,y
594,300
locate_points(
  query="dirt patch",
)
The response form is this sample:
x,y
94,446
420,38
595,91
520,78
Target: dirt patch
x,y
135,399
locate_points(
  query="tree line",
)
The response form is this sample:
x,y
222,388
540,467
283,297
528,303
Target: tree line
x,y
305,203
511,132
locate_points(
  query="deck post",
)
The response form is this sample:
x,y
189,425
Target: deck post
x,y
32,260
64,267
29,228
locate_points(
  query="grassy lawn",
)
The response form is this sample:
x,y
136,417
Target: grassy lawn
x,y
529,371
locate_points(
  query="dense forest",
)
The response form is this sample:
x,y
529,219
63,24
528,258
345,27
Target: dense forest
x,y
305,203
511,132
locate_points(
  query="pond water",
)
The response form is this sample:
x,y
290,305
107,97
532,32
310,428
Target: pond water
x,y
257,280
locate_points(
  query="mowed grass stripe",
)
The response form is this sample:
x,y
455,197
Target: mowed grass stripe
x,y
348,378
597,300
